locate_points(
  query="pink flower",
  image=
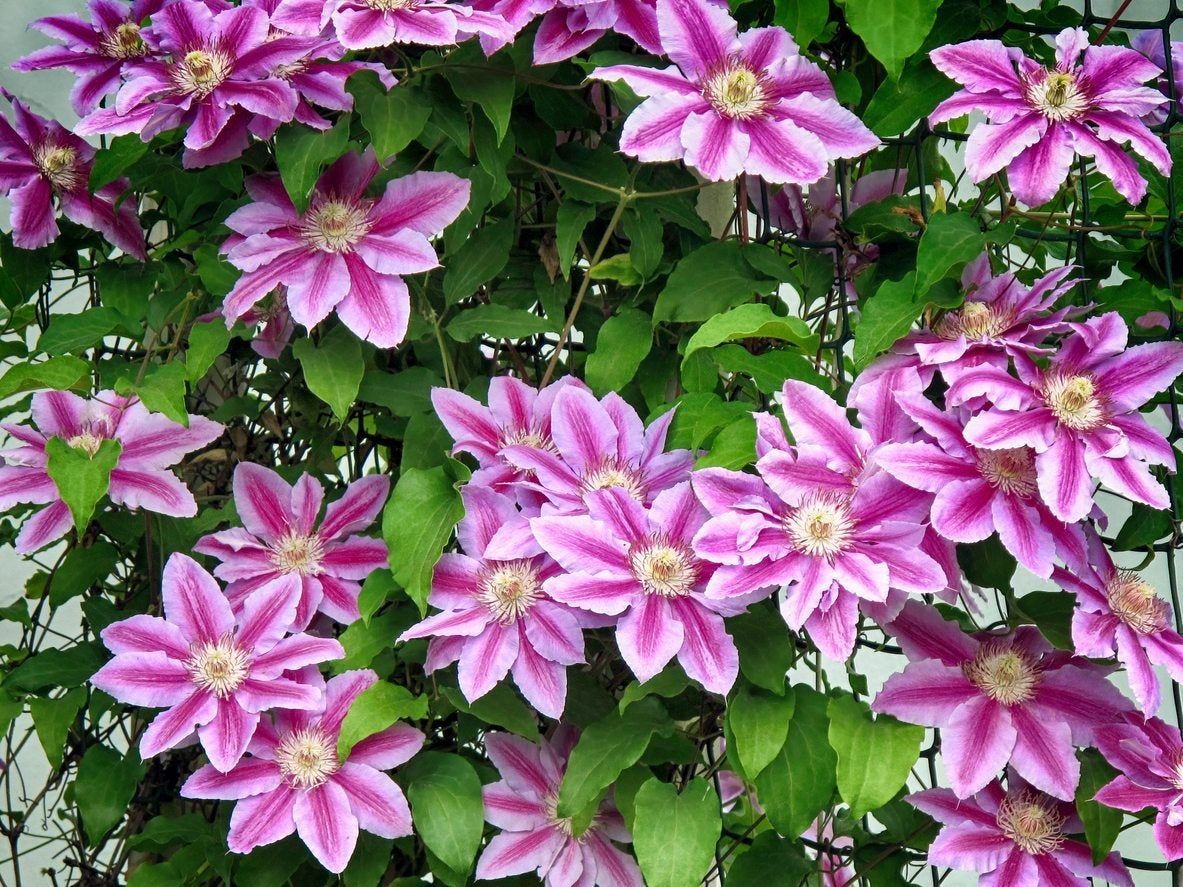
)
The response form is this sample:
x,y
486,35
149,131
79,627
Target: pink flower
x,y
533,837
368,24
1149,755
1080,415
345,252
209,74
998,699
568,27
730,105
1014,838
1117,611
1150,44
40,163
212,673
1040,119
141,477
626,561
280,539
293,781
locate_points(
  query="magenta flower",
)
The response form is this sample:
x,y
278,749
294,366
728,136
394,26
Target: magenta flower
x,y
346,252
1118,612
209,73
533,837
1149,755
568,27
1014,837
497,618
1080,415
40,163
369,24
998,699
1040,119
212,673
1150,44
735,104
635,563
280,538
292,780
150,443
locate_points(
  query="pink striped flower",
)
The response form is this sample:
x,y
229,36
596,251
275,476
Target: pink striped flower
x,y
293,781
735,104
497,616
1040,119
1014,837
369,24
626,561
212,672
346,252
150,444
998,699
533,837
1080,415
281,539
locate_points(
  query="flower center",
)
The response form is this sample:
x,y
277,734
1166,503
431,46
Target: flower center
x,y
1073,401
1006,676
1032,822
307,758
736,91
527,436
87,442
612,473
334,226
123,43
571,826
1012,471
201,71
977,321
59,165
389,5
509,590
295,553
219,667
1134,602
664,569
1057,96
288,71
821,526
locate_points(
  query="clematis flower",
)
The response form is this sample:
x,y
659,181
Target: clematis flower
x,y
1149,755
626,561
293,781
568,27
204,68
1040,118
1080,415
150,443
280,539
212,672
998,699
40,164
369,24
497,618
95,51
1014,836
1118,612
346,252
735,104
1150,44
533,837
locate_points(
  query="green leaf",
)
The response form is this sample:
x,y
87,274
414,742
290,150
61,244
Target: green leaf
x,y
1143,527
570,220
445,796
875,754
621,344
765,651
675,834
707,282
644,232
207,342
115,159
987,563
105,785
302,152
405,393
1051,611
755,321
376,708
804,19
500,707
769,860
734,446
1102,824
52,718
76,332
759,723
800,781
369,862
496,322
55,667
217,275
892,30
886,318
162,390
81,477
950,240
417,524
363,641
162,831
619,268
393,118
669,682
482,257
333,369
82,568
897,104
491,90
768,370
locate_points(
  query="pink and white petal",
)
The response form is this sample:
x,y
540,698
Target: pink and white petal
x,y
146,634
862,576
945,807
970,846
258,694
649,636
708,653
326,823
59,413
840,132
833,629
47,525
268,614
1168,837
295,652
377,308
355,558
1043,753
992,147
378,804
1112,162
696,35
262,819
322,284
468,421
981,65
926,693
614,867
1139,670
520,764
542,681
252,776
647,82
1063,479
1003,429
509,810
408,252
426,202
226,737
1022,534
486,660
157,490
976,744
923,465
1017,870
516,853
715,145
582,543
554,633
357,508
388,748
653,131
1132,378
339,695
173,726
468,623
151,679
1035,176
263,500
582,429
193,602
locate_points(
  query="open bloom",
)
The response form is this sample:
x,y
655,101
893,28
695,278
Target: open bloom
x,y
293,781
281,538
1080,415
998,699
212,672
42,164
1119,612
638,564
533,837
497,618
1014,837
1150,44
1040,119
368,24
735,104
346,252
141,478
